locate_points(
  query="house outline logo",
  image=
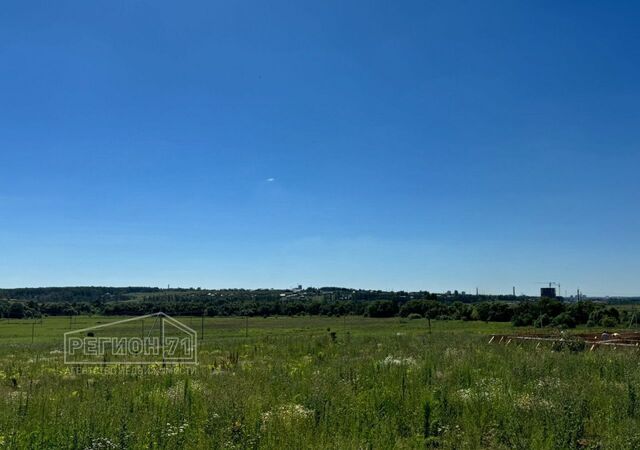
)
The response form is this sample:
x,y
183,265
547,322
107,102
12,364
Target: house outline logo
x,y
164,346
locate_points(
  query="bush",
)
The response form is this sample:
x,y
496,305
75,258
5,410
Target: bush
x,y
608,322
542,321
564,320
383,308
522,320
576,345
16,311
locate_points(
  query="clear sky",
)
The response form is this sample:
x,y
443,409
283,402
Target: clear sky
x,y
391,145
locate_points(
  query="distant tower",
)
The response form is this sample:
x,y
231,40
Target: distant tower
x,y
514,291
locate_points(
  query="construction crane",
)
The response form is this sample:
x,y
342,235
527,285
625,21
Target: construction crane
x,y
550,283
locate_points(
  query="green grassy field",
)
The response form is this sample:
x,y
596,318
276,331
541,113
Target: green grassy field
x,y
289,383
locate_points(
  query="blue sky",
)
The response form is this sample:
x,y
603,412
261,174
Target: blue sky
x,y
413,145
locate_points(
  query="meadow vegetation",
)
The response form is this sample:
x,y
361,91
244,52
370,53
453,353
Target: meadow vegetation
x,y
317,382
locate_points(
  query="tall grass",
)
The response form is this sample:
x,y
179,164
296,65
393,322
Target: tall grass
x,y
291,384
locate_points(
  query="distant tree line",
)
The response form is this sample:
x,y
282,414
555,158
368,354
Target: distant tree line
x,y
92,294
539,313
74,294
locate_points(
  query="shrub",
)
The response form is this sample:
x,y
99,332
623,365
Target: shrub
x,y
522,320
576,345
564,320
383,308
542,321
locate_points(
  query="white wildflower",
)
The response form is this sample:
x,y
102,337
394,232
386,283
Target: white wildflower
x,y
287,414
529,402
101,444
175,430
484,389
400,361
16,396
176,393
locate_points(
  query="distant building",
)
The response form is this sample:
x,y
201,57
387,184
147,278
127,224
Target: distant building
x,y
548,292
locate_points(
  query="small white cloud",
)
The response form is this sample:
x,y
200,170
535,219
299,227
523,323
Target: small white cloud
x,y
270,179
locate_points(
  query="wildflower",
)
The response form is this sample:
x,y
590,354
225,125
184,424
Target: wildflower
x,y
101,444
465,394
484,389
528,402
548,383
453,353
177,392
287,414
16,396
393,361
175,430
